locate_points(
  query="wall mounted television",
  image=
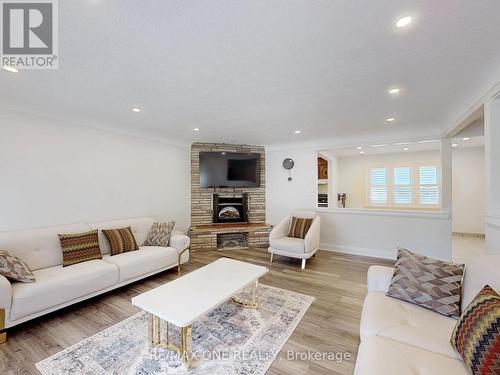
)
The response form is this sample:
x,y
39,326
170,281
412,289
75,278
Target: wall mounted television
x,y
229,170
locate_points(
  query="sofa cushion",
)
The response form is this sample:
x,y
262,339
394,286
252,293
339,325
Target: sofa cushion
x,y
410,324
140,229
288,244
14,268
79,247
147,259
120,240
477,333
427,282
481,271
58,285
381,356
159,234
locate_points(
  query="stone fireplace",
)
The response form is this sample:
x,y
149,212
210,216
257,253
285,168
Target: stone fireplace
x,y
230,208
223,218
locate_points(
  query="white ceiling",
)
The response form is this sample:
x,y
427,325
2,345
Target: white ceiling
x,y
399,147
255,71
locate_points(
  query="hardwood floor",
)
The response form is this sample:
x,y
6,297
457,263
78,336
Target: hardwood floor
x,y
331,325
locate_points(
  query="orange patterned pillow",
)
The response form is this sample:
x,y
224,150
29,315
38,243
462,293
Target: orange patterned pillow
x,y
477,333
120,240
79,247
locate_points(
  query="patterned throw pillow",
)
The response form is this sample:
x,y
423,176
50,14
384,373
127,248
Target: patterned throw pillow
x,y
120,240
477,333
427,282
79,247
299,227
14,268
159,234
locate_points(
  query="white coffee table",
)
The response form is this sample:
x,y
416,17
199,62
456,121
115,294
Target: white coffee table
x,y
184,300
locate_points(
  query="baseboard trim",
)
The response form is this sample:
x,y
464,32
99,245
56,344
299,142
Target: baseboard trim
x,y
373,253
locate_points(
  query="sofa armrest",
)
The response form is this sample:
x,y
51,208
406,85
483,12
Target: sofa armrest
x,y
379,278
312,238
281,229
5,293
179,241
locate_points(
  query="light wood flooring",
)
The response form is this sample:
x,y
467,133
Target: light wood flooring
x,y
337,281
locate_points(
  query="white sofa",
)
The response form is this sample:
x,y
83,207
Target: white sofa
x,y
57,286
281,244
401,338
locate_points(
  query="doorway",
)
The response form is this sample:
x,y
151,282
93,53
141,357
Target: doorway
x,y
468,198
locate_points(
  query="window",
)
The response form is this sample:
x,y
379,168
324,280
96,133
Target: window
x,y
403,190
428,185
378,186
405,186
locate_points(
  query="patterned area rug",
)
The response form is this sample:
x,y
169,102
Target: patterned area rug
x,y
228,340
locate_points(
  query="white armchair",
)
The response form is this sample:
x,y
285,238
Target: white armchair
x,y
281,244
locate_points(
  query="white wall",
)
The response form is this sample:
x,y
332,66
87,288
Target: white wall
x,y
55,174
492,167
353,172
468,190
364,232
378,234
285,196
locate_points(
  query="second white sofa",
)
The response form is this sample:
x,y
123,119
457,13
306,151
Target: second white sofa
x,y
57,286
401,338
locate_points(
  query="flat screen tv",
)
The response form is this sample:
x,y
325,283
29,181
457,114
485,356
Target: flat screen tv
x,y
229,169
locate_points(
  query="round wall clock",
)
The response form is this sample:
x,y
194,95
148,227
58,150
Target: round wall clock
x,y
288,165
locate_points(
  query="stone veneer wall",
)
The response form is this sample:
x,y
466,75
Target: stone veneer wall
x,y
201,199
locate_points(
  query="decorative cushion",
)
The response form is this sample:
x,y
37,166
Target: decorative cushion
x,y
159,234
299,227
477,333
79,247
427,282
14,268
120,240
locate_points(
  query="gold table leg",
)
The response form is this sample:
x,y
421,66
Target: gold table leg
x,y
3,334
154,334
186,345
253,303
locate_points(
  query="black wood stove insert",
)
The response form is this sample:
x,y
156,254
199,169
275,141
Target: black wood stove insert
x,y
230,208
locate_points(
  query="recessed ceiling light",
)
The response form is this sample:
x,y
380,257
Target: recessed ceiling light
x,y
361,152
196,129
390,119
401,143
405,149
297,132
394,91
403,21
379,145
454,145
10,69
137,110
465,138
359,148
428,141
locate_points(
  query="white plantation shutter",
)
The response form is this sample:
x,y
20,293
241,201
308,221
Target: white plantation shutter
x,y
378,186
428,185
403,190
